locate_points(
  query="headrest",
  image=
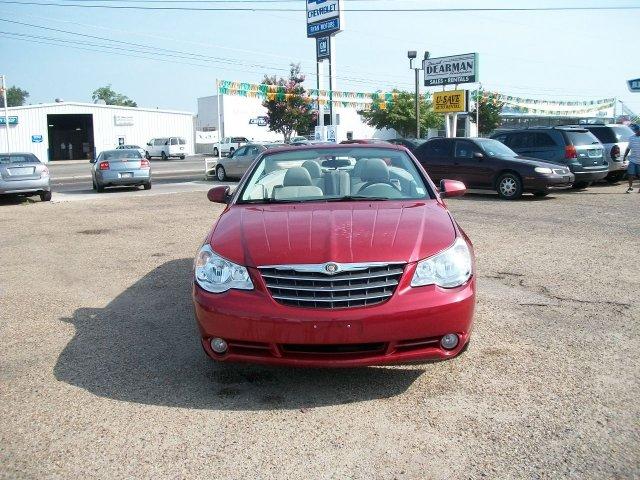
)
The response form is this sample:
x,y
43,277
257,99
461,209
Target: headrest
x,y
313,168
359,166
297,177
375,171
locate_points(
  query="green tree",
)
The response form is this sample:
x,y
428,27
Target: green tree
x,y
490,109
16,97
112,98
400,115
290,110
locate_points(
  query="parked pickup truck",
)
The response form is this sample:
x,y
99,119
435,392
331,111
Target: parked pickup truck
x,y
228,145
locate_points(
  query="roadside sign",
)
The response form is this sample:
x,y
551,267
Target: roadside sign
x,y
323,17
12,120
451,101
332,133
634,85
323,47
451,70
36,138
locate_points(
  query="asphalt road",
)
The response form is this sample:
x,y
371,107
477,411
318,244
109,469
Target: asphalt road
x,y
102,375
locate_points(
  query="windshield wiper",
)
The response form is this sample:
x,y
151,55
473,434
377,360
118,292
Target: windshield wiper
x,y
355,198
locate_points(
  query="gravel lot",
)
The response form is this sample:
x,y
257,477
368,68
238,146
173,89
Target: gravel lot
x,y
102,375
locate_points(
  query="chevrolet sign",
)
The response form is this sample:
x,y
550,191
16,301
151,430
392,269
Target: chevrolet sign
x,y
323,16
451,70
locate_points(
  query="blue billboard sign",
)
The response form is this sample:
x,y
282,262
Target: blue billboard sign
x,y
36,138
323,47
323,28
12,120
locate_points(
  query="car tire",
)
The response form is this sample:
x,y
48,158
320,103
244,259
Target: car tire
x,y
215,152
147,186
221,175
45,196
147,156
182,157
540,194
509,186
164,156
580,185
93,184
99,187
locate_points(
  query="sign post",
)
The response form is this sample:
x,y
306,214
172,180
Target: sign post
x,y
324,20
451,70
6,112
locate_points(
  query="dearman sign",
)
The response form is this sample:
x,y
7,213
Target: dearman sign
x,y
451,70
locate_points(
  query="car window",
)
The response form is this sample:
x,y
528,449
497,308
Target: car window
x,y
363,173
182,141
239,140
464,149
494,148
254,150
501,138
622,133
522,140
174,141
240,152
542,139
435,148
580,137
158,141
121,154
14,159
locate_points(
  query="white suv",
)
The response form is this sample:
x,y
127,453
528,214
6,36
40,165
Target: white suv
x,y
229,145
166,147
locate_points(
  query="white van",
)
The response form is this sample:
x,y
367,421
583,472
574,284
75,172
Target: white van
x,y
166,147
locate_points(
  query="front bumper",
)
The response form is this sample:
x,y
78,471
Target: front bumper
x,y
25,186
406,328
541,183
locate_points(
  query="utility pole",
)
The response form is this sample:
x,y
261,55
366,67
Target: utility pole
x,y
412,55
6,111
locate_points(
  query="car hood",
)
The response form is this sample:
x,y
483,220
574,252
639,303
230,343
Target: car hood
x,y
534,162
350,232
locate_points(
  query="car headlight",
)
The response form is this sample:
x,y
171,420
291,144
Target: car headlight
x,y
450,268
216,274
545,170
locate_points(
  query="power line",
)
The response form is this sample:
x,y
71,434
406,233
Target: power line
x,y
355,10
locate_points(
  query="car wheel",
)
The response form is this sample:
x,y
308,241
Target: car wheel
x,y
147,156
580,185
540,194
182,157
220,173
215,152
509,186
99,187
163,155
93,184
147,186
45,196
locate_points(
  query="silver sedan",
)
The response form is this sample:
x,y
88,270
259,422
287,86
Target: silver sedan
x,y
238,162
24,174
119,168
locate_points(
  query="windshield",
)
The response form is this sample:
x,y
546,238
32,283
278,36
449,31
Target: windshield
x,y
494,148
15,159
334,174
121,154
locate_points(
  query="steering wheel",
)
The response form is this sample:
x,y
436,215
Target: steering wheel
x,y
369,184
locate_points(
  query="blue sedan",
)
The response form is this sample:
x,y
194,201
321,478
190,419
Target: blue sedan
x,y
117,168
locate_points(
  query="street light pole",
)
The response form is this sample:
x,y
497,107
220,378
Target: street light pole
x,y
412,55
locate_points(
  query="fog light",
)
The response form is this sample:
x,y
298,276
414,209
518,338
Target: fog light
x,y
449,341
218,345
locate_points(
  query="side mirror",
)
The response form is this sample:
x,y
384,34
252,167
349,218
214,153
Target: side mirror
x,y
219,194
92,160
148,144
452,188
478,155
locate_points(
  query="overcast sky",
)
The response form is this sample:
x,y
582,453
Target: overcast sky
x,y
552,55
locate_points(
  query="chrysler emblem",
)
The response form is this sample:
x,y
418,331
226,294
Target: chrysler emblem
x,y
331,268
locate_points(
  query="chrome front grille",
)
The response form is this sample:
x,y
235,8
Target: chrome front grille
x,y
349,285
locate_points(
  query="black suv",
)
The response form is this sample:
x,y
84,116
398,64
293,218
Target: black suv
x,y
574,147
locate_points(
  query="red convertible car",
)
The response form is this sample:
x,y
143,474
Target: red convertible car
x,y
341,255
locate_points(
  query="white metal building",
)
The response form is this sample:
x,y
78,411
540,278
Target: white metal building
x,y
246,117
73,130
